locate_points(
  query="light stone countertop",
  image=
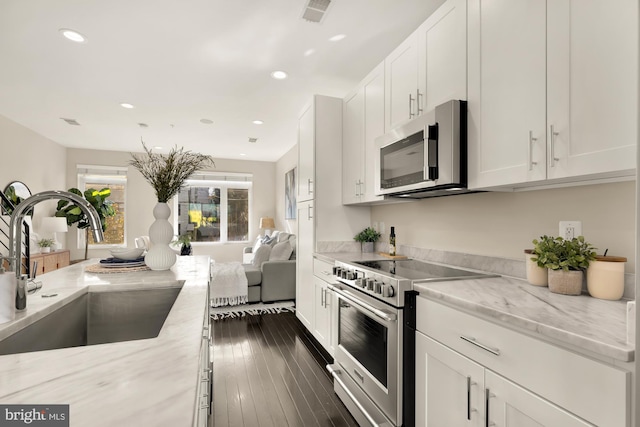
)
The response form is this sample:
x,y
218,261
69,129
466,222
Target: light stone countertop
x,y
143,382
582,322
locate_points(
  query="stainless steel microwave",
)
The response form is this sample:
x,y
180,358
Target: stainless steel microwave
x,y
425,157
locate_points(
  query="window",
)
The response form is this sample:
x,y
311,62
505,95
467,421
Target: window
x,y
215,208
115,179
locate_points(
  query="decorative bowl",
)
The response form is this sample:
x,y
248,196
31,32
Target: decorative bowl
x,y
127,253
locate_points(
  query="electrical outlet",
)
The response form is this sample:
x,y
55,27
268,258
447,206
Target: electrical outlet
x,y
570,229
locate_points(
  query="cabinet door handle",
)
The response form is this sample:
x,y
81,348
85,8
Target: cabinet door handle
x,y
411,106
309,184
309,216
418,96
530,161
323,298
552,152
482,346
468,398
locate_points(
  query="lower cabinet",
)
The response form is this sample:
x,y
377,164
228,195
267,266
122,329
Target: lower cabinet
x,y
305,291
204,391
323,305
474,372
50,261
452,390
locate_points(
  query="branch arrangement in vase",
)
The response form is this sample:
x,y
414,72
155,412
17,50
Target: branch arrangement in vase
x,y
167,173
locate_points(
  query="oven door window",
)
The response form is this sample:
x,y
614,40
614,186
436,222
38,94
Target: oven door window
x,y
402,163
364,339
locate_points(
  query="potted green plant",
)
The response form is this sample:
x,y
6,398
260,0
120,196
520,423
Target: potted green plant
x,y
184,242
45,245
367,238
567,260
74,215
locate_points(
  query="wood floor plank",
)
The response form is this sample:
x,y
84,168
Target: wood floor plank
x,y
267,373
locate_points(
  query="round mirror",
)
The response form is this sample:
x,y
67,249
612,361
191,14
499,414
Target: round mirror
x,y
16,192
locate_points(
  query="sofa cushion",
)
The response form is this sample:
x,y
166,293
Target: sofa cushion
x,y
281,252
261,255
258,243
283,237
254,274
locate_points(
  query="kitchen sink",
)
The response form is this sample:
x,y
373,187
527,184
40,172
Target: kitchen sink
x,y
96,318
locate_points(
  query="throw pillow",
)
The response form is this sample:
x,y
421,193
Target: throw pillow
x,y
257,244
261,255
280,252
283,237
292,242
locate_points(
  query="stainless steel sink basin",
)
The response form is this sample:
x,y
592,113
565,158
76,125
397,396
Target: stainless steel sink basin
x,y
96,318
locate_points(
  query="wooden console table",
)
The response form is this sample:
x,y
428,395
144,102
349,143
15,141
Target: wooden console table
x,y
51,261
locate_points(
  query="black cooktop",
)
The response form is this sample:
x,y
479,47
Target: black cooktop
x,y
419,270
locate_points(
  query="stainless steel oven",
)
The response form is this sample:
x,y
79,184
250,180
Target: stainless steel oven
x,y
368,354
372,369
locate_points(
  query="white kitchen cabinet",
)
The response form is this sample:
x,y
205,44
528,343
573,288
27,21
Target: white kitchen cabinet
x,y
449,387
363,122
305,291
306,153
429,67
322,216
322,313
552,90
528,382
401,83
510,405
442,55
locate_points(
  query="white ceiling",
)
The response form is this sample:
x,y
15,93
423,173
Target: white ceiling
x,y
179,62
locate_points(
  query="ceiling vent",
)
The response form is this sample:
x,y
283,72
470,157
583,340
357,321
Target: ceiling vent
x,y
315,10
71,122
254,140
143,125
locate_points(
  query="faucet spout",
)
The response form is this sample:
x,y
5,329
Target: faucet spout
x,y
15,230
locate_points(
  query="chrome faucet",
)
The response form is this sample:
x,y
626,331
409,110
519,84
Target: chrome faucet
x,y
15,230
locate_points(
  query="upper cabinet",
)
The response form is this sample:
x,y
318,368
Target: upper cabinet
x,y
401,84
429,67
363,122
552,90
442,56
306,154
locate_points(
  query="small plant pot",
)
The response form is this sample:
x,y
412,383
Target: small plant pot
x,y
536,276
605,277
565,282
45,250
367,247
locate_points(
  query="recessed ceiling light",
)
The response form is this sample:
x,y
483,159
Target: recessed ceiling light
x,y
206,121
309,52
337,37
243,154
157,147
126,105
258,122
72,35
279,75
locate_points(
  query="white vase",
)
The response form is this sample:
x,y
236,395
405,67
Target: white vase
x,y
160,256
537,276
605,277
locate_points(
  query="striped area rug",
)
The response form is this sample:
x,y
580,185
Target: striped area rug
x,y
227,312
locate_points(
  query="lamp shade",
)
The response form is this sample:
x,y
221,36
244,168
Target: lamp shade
x,y
54,224
267,223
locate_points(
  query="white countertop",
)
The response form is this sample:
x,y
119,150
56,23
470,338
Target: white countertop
x,y
142,382
589,324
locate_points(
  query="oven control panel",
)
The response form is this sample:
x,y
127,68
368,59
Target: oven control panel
x,y
376,285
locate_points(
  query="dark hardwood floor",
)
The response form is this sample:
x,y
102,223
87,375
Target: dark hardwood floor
x,y
267,372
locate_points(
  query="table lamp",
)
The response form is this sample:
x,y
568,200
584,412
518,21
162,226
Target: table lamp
x,y
54,225
267,224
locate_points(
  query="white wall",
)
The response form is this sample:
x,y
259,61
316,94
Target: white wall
x,y
141,200
33,159
284,165
503,224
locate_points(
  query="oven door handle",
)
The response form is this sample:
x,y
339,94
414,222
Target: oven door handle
x,y
382,314
335,373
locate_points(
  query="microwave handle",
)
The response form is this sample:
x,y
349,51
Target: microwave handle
x,y
430,171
